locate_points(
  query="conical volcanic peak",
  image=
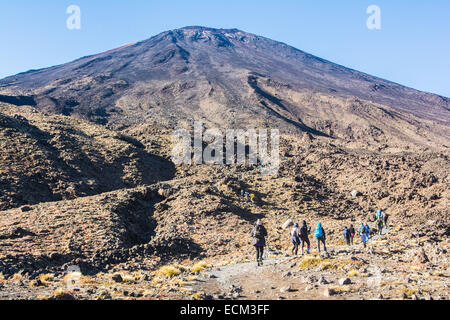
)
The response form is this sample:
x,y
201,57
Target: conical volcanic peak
x,y
230,78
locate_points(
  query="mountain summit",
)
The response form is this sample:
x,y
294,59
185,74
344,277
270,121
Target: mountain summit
x,y
227,77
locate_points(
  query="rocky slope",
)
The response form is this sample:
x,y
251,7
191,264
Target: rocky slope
x,y
49,158
200,215
230,78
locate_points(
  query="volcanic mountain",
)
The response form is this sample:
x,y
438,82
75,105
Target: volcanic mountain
x,y
230,78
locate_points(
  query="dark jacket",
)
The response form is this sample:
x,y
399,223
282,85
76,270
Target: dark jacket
x,y
346,233
261,241
304,231
351,230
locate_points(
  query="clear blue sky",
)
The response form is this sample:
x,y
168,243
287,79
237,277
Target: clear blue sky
x,y
412,48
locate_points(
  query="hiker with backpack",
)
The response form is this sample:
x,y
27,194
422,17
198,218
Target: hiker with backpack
x,y
304,231
295,238
319,233
259,234
378,215
380,225
351,230
364,232
347,235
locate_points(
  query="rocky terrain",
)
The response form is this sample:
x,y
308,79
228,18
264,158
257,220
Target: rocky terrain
x,y
86,179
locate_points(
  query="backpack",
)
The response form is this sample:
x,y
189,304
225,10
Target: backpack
x,y
364,230
258,232
379,214
294,233
318,232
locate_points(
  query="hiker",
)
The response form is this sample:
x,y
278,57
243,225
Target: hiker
x,y
242,193
259,234
378,215
252,197
319,233
246,195
364,232
351,230
380,225
304,231
386,216
295,238
347,235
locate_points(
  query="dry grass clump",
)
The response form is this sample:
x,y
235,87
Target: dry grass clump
x,y
310,262
343,289
46,278
408,291
329,264
168,271
352,273
200,266
60,292
17,277
88,281
198,296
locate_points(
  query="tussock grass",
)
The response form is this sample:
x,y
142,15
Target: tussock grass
x,y
343,289
310,262
17,277
352,273
59,292
200,267
88,281
198,295
168,271
329,265
46,278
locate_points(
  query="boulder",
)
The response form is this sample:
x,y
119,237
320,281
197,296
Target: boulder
x,y
117,278
355,193
328,292
322,280
344,281
286,289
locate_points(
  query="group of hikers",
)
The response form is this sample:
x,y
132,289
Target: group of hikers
x,y
248,196
300,235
